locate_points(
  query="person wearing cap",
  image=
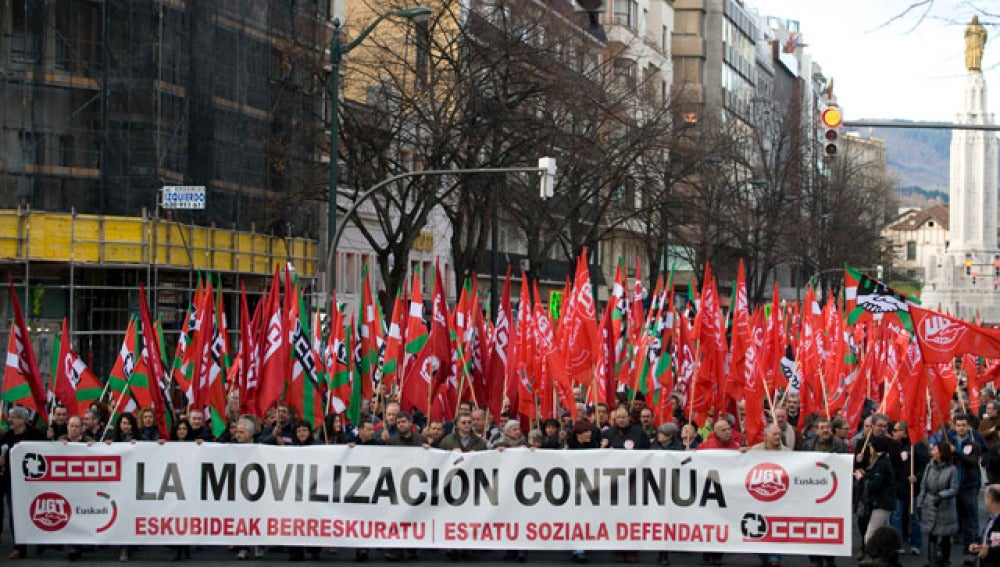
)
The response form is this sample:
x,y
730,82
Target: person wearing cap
x,y
20,430
584,435
667,438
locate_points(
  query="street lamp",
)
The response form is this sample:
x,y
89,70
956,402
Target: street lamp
x,y
546,168
337,52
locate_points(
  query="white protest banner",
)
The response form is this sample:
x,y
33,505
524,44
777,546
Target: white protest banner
x,y
333,496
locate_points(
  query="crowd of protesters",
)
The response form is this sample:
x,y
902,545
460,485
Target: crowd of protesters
x,y
926,489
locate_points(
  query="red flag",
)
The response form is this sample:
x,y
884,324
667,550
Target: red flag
x,y
22,381
943,337
499,385
249,354
74,384
578,331
432,366
152,359
274,352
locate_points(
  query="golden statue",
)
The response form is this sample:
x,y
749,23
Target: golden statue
x,y
975,40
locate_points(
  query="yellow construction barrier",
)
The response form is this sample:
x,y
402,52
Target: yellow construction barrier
x,y
113,240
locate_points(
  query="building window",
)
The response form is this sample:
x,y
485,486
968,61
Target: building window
x,y
930,224
26,20
624,73
626,12
911,250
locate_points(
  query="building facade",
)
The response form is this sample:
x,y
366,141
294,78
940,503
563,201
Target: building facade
x,y
104,103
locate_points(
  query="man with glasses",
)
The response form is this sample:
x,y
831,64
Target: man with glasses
x,y
842,430
463,438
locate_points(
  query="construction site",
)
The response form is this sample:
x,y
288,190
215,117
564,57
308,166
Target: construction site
x,y
104,103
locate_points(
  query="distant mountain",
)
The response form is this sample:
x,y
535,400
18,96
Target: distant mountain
x,y
920,160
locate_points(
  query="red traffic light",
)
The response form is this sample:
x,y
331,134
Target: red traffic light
x,y
831,117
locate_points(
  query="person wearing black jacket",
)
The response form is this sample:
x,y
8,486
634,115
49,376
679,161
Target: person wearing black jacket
x,y
582,437
876,487
623,434
666,438
20,430
968,451
915,458
987,548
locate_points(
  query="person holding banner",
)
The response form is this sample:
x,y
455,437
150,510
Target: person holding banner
x,y
987,549
721,438
19,431
57,424
463,438
246,429
772,442
826,441
582,438
148,430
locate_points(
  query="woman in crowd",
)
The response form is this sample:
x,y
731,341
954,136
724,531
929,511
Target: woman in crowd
x,y
875,486
939,515
182,431
333,432
148,430
127,429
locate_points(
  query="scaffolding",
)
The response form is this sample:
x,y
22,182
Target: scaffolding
x,y
103,102
88,269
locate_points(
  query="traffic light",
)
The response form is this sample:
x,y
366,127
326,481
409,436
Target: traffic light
x,y
968,264
996,265
831,118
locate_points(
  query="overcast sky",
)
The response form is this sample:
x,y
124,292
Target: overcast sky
x,y
905,69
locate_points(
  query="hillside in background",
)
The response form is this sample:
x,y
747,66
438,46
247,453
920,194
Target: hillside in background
x,y
919,159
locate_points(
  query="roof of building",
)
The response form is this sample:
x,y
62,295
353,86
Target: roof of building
x,y
913,220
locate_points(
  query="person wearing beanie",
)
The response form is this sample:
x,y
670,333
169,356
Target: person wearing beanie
x,y
667,438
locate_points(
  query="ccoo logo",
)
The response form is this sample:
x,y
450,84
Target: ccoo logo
x,y
767,482
50,511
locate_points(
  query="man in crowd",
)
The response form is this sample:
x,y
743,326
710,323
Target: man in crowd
x,y
20,430
283,430
435,432
968,451
721,438
792,405
842,430
624,434
387,428
74,431
480,424
463,438
93,426
826,442
646,421
246,430
198,428
791,437
405,435
57,425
